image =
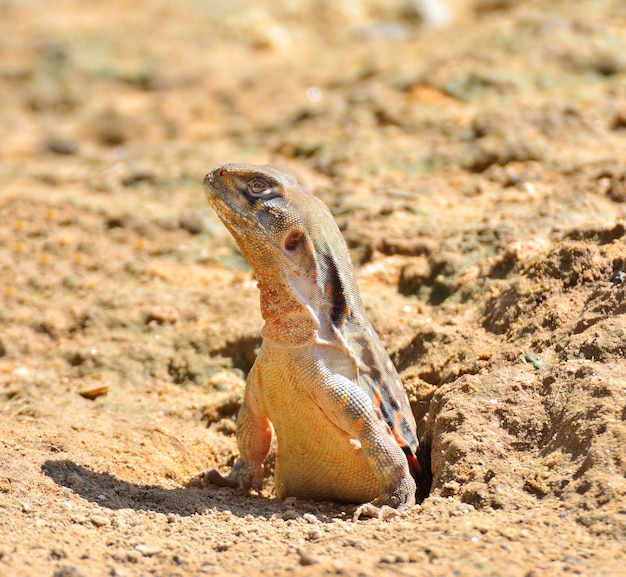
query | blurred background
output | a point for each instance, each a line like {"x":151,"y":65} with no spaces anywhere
{"x":123,"y":94}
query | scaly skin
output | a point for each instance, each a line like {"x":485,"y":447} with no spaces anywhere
{"x":322,"y":378}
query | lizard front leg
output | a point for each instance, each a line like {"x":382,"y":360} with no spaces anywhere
{"x":254,"y":436}
{"x":350,"y":408}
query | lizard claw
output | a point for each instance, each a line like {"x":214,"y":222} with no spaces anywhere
{"x":243,"y":475}
{"x":212,"y":477}
{"x":373,"y":511}
{"x":388,"y":506}
{"x":247,"y":476}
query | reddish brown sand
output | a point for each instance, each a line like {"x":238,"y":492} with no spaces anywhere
{"x":478,"y":174}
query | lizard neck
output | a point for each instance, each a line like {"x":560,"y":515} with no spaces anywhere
{"x":289,"y":321}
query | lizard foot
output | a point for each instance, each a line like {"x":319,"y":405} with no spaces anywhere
{"x":373,"y":511}
{"x":243,"y":475}
{"x":391,"y":504}
{"x":212,"y":477}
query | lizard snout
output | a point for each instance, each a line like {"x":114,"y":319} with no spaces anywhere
{"x":208,"y":178}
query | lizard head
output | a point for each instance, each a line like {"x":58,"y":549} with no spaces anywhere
{"x":288,"y":235}
{"x":265,"y":210}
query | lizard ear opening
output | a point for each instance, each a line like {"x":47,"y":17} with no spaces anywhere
{"x":293,"y":240}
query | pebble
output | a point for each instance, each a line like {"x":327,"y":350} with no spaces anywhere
{"x":62,"y":146}
{"x":314,"y":534}
{"x":147,"y":550}
{"x":58,"y":553}
{"x":132,"y":557}
{"x":393,"y":557}
{"x":100,"y":520}
{"x":290,"y":515}
{"x":163,"y":314}
{"x":92,"y":393}
{"x":192,"y":223}
{"x":68,"y":571}
{"x":306,"y":557}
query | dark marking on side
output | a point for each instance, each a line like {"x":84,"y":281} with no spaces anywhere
{"x":384,"y":409}
{"x":374,"y":373}
{"x":393,"y":403}
{"x":335,"y":289}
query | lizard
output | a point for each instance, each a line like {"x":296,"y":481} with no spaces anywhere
{"x":322,"y":380}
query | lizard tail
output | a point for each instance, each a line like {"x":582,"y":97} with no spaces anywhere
{"x":419,"y":466}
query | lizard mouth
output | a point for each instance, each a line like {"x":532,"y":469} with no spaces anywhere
{"x":234,"y":207}
{"x":225,"y":203}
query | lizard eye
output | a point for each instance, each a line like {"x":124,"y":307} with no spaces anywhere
{"x":258,"y":186}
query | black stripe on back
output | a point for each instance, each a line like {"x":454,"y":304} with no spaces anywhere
{"x":337,"y":293}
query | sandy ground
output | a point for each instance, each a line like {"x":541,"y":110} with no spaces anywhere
{"x":478,"y":172}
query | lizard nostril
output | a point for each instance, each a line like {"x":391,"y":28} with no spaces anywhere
{"x":293,"y":240}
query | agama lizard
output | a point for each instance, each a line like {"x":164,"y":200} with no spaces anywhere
{"x":322,"y":379}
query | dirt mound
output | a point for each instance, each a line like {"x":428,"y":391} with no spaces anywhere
{"x":546,"y":415}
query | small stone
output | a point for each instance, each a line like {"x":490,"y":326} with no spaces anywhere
{"x":68,"y":571}
{"x":314,"y":534}
{"x":58,"y":553}
{"x":310,"y":518}
{"x":74,"y":480}
{"x":137,"y":176}
{"x":450,"y":488}
{"x":418,"y":557}
{"x":132,"y":557}
{"x":62,"y":146}
{"x":162,"y":314}
{"x":433,"y":554}
{"x":306,"y":557}
{"x":356,"y":543}
{"x":92,"y":393}
{"x":192,"y":223}
{"x":393,"y":557}
{"x":617,"y":191}
{"x":99,"y":520}
{"x":289,"y":515}
{"x":147,"y":550}
{"x":26,"y":508}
